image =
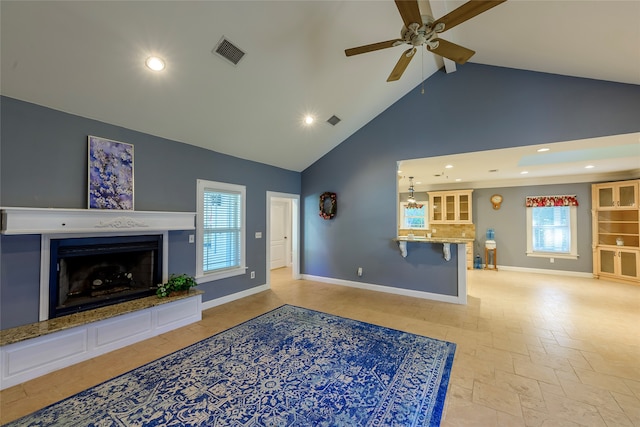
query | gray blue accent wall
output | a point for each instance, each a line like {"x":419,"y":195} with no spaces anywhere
{"x":43,"y":163}
{"x":509,"y":224}
{"x":476,"y":108}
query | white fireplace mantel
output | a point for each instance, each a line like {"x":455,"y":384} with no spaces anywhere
{"x":57,"y":221}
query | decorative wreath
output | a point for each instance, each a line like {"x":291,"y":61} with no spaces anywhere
{"x":331,"y":212}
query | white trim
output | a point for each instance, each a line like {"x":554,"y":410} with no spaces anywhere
{"x":95,"y":221}
{"x":386,"y":289}
{"x":238,"y":295}
{"x":45,"y":259}
{"x":201,"y":186}
{"x":546,"y":271}
{"x":295,"y":233}
{"x":573,"y":218}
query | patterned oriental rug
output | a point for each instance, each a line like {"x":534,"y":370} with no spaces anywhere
{"x":288,"y":367}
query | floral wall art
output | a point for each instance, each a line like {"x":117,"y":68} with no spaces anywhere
{"x":110,"y":174}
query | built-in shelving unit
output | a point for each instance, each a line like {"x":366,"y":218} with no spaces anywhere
{"x":616,"y":230}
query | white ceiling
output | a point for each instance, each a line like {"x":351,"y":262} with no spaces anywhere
{"x":86,"y":58}
{"x":586,"y":160}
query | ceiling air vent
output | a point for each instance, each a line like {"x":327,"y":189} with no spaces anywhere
{"x":333,"y":120}
{"x":228,"y":51}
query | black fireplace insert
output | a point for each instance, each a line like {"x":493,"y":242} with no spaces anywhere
{"x":88,"y":273}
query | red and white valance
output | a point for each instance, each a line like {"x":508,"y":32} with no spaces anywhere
{"x":550,"y":201}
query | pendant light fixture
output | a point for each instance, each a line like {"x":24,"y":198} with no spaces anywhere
{"x":411,"y":201}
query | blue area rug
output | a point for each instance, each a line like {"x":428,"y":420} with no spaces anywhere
{"x":288,"y":367}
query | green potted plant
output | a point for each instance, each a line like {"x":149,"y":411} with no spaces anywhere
{"x":177,"y":284}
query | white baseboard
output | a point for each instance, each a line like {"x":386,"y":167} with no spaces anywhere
{"x":228,"y":298}
{"x":546,"y":271}
{"x":387,"y":289}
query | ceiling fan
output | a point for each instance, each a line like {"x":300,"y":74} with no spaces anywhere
{"x":421,"y":30}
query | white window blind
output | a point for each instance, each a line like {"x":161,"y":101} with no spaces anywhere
{"x":551,"y":230}
{"x":414,"y":218}
{"x":221,"y":217}
{"x":221,"y":230}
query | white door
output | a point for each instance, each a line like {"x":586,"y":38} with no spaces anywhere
{"x":279,"y":233}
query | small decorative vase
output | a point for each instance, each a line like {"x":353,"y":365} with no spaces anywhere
{"x":620,"y":241}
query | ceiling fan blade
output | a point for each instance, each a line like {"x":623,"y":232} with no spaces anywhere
{"x":409,"y":11}
{"x":452,"y":51}
{"x":404,"y":60}
{"x":465,"y":12}
{"x":371,"y":47}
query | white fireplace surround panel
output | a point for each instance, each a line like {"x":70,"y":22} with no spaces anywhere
{"x":52,"y":223}
{"x":93,"y":221}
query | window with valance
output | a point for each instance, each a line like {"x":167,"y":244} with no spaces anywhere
{"x":549,"y":201}
{"x":551,"y":226}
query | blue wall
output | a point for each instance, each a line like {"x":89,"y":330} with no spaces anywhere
{"x":44,"y":164}
{"x":44,"y":156}
{"x":476,"y":108}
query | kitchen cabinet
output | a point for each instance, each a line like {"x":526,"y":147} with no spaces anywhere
{"x":450,"y":207}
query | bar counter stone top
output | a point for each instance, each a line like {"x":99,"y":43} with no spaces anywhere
{"x":45,"y":327}
{"x":457,"y":240}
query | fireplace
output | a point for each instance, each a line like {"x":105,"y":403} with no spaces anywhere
{"x":91,"y":272}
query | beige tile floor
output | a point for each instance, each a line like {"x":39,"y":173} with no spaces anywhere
{"x":533,"y":349}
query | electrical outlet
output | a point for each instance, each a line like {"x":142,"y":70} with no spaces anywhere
{"x":359,"y":271}
{"x":552,"y":260}
{"x":191,"y":238}
{"x":253,"y":274}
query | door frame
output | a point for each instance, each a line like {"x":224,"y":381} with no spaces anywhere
{"x":295,"y":233}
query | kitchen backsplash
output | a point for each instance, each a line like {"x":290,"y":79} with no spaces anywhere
{"x":443,"y":230}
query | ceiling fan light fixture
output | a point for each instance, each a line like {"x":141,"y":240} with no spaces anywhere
{"x":155,"y":63}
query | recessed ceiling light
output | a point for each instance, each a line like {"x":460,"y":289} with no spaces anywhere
{"x":448,"y":166}
{"x":308,"y":120}
{"x":589,"y":167}
{"x":155,"y":63}
{"x":524,"y":172}
{"x":458,"y":179}
{"x":542,"y":150}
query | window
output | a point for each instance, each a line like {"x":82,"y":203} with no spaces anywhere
{"x":551,"y":231}
{"x":220,"y":230}
{"x":416,"y":218}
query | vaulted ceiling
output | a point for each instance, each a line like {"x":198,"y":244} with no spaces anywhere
{"x":87,"y":58}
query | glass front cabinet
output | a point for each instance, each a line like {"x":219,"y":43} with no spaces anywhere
{"x":619,"y":195}
{"x":450,"y":207}
{"x":616,"y":230}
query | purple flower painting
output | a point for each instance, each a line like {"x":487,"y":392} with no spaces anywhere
{"x":110,"y":174}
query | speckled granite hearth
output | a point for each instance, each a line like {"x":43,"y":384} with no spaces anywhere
{"x":33,"y":330}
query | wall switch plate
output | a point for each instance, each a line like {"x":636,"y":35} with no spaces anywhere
{"x":552,"y":260}
{"x":359,"y":271}
{"x":191,"y":238}
{"x":253,"y":274}
{"x":258,"y":235}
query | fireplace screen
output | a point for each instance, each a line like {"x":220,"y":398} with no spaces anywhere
{"x":88,"y":273}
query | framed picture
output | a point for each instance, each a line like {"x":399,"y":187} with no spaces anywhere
{"x":110,"y":174}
